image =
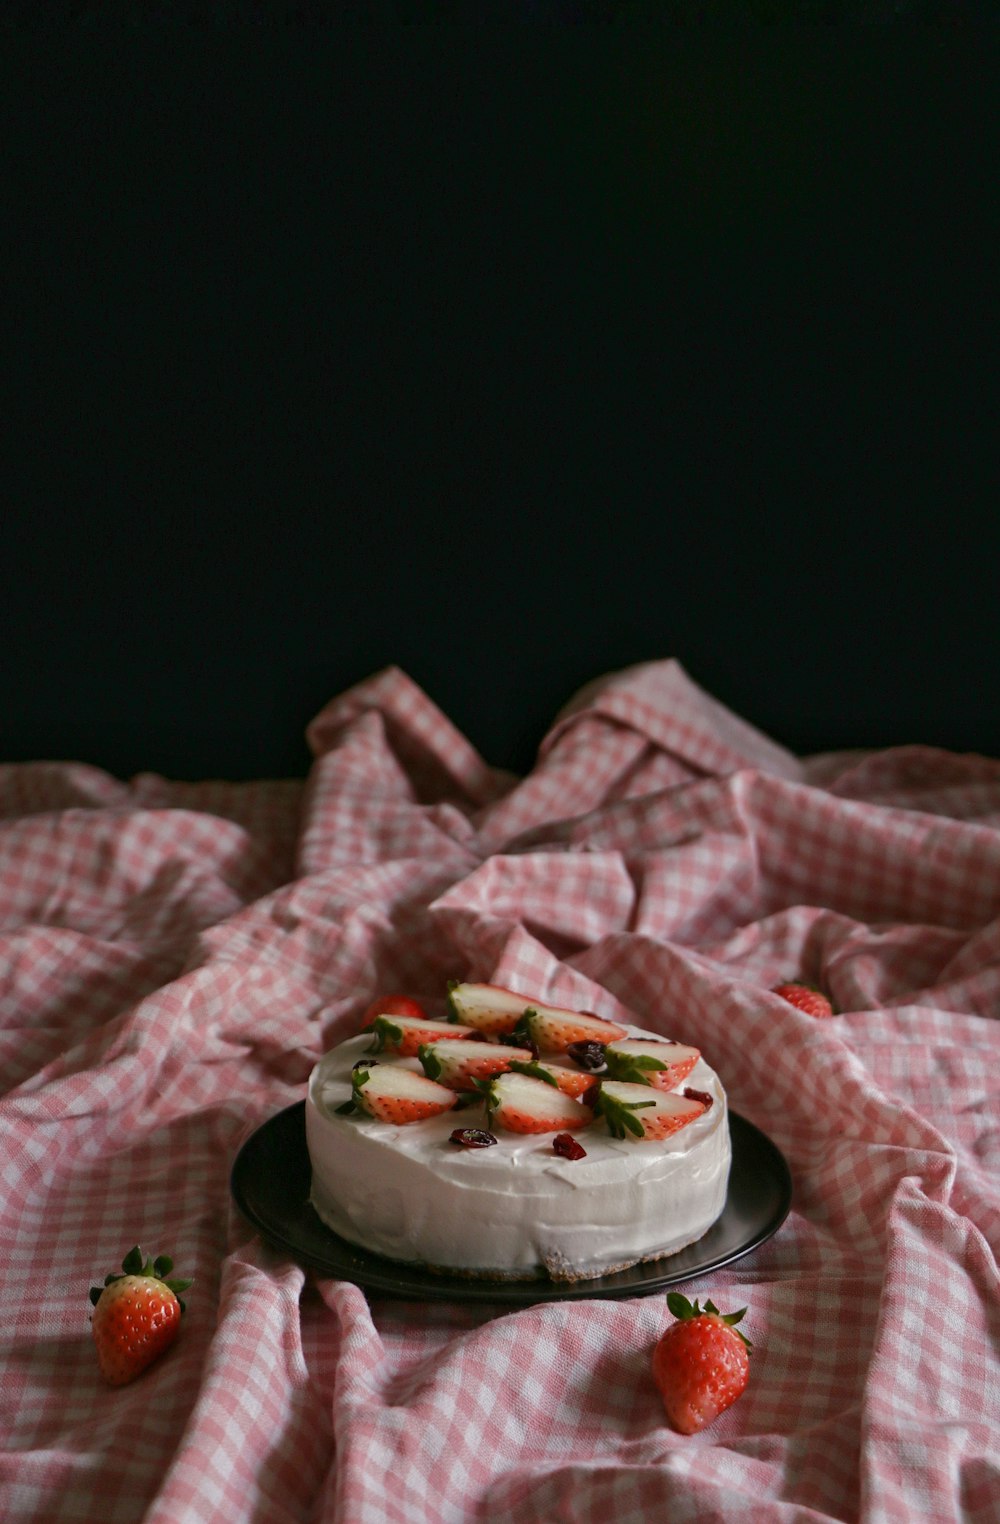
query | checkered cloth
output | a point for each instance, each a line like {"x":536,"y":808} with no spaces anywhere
{"x":174,"y":958}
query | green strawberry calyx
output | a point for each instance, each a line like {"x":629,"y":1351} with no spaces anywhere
{"x":534,"y":1070}
{"x":359,"y":1079}
{"x":430,"y":1060}
{"x":633,"y":1068}
{"x":522,"y":1028}
{"x":684,"y":1310}
{"x":157,"y":1269}
{"x":619,"y":1114}
{"x":384,"y":1028}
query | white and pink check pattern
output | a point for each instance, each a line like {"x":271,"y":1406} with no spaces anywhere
{"x":174,"y":957}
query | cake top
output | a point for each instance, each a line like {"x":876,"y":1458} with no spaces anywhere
{"x":508,"y":1069}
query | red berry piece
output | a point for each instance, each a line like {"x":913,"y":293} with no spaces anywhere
{"x":698,"y":1095}
{"x":588,"y":1055}
{"x":472,"y":1137}
{"x":565,"y":1144}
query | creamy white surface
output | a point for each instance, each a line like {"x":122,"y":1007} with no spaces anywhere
{"x":408,"y":1193}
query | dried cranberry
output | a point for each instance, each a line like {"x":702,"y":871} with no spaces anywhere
{"x":515,"y":1040}
{"x":565,"y":1144}
{"x":699,"y":1095}
{"x":472,"y":1137}
{"x":587,"y":1055}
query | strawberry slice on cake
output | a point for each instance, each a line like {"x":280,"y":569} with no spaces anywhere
{"x":639,"y":1061}
{"x":553,"y":1030}
{"x":574,"y":1082}
{"x":639,"y":1112}
{"x":522,"y":1104}
{"x":404,"y":1035}
{"x":390,"y":1093}
{"x":490,"y":1008}
{"x":464,"y":1063}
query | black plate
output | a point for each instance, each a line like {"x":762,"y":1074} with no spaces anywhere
{"x":271,"y":1179}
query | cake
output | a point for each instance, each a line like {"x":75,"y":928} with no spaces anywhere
{"x":516,"y":1140}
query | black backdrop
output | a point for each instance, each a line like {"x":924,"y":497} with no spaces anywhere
{"x":508,"y":367}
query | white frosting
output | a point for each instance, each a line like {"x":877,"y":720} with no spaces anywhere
{"x":407,"y":1193}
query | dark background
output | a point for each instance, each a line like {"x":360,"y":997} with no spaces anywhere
{"x":508,"y":364}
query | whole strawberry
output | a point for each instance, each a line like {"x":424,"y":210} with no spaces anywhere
{"x":137,"y":1315}
{"x":700,"y":1364}
{"x":805,"y":997}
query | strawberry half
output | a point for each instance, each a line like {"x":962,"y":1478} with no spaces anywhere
{"x":522,"y":1104}
{"x":660,"y":1064}
{"x":553,"y":1030}
{"x":489,"y":1008}
{"x":463,"y":1064}
{"x":393,"y":1094}
{"x":701,"y":1363}
{"x":574,"y":1082}
{"x":805,"y":998}
{"x":404,"y":1035}
{"x":137,"y":1316}
{"x":639,"y":1112}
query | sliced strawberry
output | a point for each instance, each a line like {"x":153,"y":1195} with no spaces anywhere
{"x":643,"y":1062}
{"x":405,"y":1034}
{"x":637,"y":1111}
{"x":489,"y":1008}
{"x":391,"y":1093}
{"x":522,"y":1104}
{"x":572,"y":1082}
{"x":553,"y":1030}
{"x":462,"y":1063}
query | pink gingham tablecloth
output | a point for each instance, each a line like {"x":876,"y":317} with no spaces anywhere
{"x":174,"y":957}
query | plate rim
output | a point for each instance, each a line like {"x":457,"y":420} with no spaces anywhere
{"x":392,"y":1278}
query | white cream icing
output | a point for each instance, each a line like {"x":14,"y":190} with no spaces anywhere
{"x":516,"y":1208}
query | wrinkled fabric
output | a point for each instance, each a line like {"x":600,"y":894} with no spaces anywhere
{"x":175,"y":957}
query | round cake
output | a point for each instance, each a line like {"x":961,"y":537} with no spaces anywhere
{"x":530,"y":1142}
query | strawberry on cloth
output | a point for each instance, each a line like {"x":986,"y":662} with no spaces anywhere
{"x":137,"y":1315}
{"x":392,"y":1005}
{"x":806,"y":998}
{"x":700,"y":1364}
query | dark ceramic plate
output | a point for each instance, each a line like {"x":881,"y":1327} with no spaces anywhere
{"x":270,"y":1184}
